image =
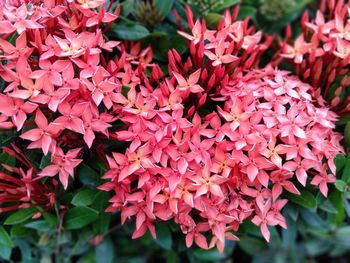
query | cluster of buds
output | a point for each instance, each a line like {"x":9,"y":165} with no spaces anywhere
{"x":273,"y":10}
{"x":321,"y":53}
{"x":218,"y":142}
{"x":21,"y":187}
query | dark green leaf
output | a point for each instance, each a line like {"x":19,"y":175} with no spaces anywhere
{"x":5,"y":239}
{"x":88,"y":176}
{"x":45,"y":161}
{"x":213,"y":20}
{"x":125,"y":90}
{"x":19,"y":231}
{"x":79,"y":217}
{"x":5,"y":158}
{"x":336,"y":198}
{"x":343,"y":120}
{"x":164,"y":238}
{"x":164,"y":7}
{"x":208,"y":255}
{"x":129,"y":32}
{"x":252,"y":246}
{"x":305,"y":199}
{"x":101,"y":225}
{"x":347,"y":134}
{"x":20,"y":216}
{"x":172,"y":257}
{"x":346,"y":172}
{"x":51,"y":219}
{"x":227,"y":4}
{"x":100,"y":201}
{"x":340,"y":161}
{"x":84,"y":197}
{"x":246,"y":11}
{"x":126,"y":7}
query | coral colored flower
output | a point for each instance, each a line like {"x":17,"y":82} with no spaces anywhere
{"x":190,"y":83}
{"x":63,"y":165}
{"x":42,"y":137}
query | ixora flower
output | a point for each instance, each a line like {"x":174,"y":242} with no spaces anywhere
{"x":209,"y":172}
{"x":216,"y":143}
{"x":62,"y":81}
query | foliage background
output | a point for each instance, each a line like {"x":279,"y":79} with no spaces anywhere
{"x":318,"y":228}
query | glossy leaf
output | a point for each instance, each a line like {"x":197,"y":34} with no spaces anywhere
{"x":164,"y":238}
{"x":79,"y":217}
{"x":164,"y":7}
{"x":20,"y":216}
{"x":129,"y":32}
{"x":5,"y":239}
{"x":305,"y":199}
{"x":84,"y":197}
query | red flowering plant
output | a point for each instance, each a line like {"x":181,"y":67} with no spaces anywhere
{"x":215,"y":143}
{"x":209,"y":172}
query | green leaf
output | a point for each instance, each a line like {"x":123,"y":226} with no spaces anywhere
{"x":5,"y":158}
{"x":101,"y":225}
{"x":164,"y":7}
{"x":84,"y":197}
{"x":213,"y":19}
{"x":340,"y":185}
{"x":45,"y":161}
{"x":227,"y":4}
{"x":104,"y":252}
{"x":20,"y":216}
{"x":343,"y":233}
{"x":125,"y":91}
{"x":343,"y":120}
{"x":39,"y":225}
{"x":347,"y":134}
{"x":101,"y":201}
{"x":88,"y":176}
{"x":129,"y":32}
{"x":328,"y":207}
{"x":251,"y":245}
{"x":208,"y":255}
{"x":340,"y":161}
{"x":5,"y":239}
{"x":5,"y":252}
{"x":79,"y":217}
{"x":171,"y":256}
{"x":127,"y":7}
{"x":336,"y":198}
{"x":316,"y":247}
{"x":346,"y":172}
{"x":305,"y":199}
{"x":164,"y":238}
{"x":246,"y":11}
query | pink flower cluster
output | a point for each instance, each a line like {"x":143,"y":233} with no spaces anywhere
{"x":218,"y":142}
{"x":62,"y":71}
{"x":213,"y":145}
{"x":321,"y":53}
